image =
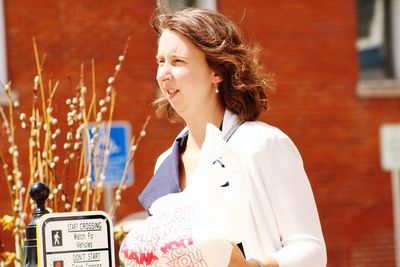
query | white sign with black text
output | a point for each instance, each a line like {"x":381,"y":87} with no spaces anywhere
{"x":75,"y":239}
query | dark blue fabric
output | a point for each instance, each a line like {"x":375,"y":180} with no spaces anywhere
{"x":166,"y":179}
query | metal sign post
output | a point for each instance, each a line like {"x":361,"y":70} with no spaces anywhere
{"x":396,"y":212}
{"x":390,"y":161}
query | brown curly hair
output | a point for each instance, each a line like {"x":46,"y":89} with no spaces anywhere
{"x":243,"y":88}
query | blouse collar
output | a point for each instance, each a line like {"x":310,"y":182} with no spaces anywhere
{"x":166,"y":178}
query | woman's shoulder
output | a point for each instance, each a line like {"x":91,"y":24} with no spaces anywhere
{"x":260,"y":131}
{"x":260,"y":137}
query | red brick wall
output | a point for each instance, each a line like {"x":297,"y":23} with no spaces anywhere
{"x":309,"y":45}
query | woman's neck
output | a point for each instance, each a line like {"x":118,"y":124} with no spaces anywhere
{"x":197,"y":126}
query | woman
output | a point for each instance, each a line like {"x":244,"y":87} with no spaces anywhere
{"x":207,"y":74}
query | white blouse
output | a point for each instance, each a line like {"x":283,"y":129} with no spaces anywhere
{"x":284,"y":220}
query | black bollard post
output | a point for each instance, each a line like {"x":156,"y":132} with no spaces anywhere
{"x":39,"y":193}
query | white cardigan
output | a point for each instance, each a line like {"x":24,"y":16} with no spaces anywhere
{"x":284,"y":219}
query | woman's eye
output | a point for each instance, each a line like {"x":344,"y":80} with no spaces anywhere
{"x":160,"y":61}
{"x":178,"y":61}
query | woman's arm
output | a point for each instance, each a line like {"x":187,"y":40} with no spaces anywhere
{"x":281,"y":199}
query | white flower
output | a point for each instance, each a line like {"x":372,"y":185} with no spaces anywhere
{"x":69,"y":136}
{"x":76,"y":146}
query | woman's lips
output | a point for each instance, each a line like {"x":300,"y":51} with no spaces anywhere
{"x":171,"y":93}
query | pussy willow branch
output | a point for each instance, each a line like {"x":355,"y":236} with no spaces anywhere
{"x":6,"y":174}
{"x":134,"y":146}
{"x":39,"y":73}
{"x":97,"y":197}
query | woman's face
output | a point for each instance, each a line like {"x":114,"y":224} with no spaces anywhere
{"x":184,"y":77}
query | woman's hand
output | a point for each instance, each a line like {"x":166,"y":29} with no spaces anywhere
{"x":238,"y":260}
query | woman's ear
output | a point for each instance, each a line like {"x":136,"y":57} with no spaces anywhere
{"x":217,"y":78}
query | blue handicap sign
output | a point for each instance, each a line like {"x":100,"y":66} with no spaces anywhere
{"x":118,"y":146}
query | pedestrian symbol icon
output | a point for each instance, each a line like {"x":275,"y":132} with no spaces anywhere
{"x":56,"y":238}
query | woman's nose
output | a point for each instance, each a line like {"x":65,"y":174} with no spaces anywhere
{"x":164,"y":74}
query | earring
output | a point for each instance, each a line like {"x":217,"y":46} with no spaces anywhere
{"x":216,"y":91}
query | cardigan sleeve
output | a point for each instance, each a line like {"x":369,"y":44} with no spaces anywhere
{"x":284,"y":180}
